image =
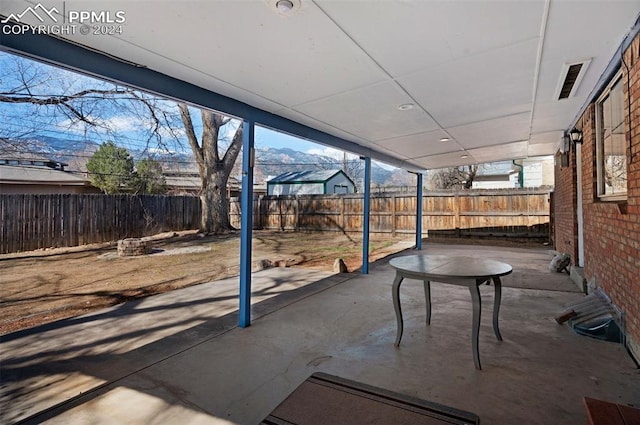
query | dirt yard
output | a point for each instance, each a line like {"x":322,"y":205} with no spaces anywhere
{"x":44,"y":286}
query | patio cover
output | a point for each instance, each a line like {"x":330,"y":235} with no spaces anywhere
{"x":419,"y":84}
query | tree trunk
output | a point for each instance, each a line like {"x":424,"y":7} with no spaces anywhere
{"x":215,"y":204}
{"x":214,"y":169}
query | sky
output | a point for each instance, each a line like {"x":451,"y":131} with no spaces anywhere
{"x":265,"y":137}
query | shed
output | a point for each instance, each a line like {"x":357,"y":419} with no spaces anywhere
{"x":323,"y":182}
{"x":496,"y":175}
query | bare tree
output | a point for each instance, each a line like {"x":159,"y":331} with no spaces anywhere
{"x":213,"y":166}
{"x":454,"y":178}
{"x":615,"y":173}
{"x":44,"y":97}
{"x":350,"y":164}
{"x":402,"y":178}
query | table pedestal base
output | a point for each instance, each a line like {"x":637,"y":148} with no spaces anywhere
{"x":474,"y":289}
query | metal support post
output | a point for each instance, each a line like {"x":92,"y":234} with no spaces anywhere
{"x":419,"y":212}
{"x":246,"y":223}
{"x":365,"y":218}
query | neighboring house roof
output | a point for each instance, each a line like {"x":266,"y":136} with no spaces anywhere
{"x":15,"y":174}
{"x":496,"y":169}
{"x":320,"y":176}
{"x":184,"y":181}
{"x":192,"y":182}
{"x":16,"y":160}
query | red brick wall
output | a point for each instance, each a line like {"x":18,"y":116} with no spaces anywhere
{"x":611,"y":229}
{"x":564,"y":208}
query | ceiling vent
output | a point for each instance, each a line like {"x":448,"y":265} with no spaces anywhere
{"x":570,"y":78}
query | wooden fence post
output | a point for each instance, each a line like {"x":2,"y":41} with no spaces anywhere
{"x":342,"y":219}
{"x":393,"y":215}
{"x":456,"y":212}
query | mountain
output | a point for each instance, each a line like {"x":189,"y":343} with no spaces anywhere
{"x":49,"y":147}
{"x":270,"y":162}
{"x":59,"y":146}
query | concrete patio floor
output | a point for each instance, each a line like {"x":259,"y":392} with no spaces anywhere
{"x":179,"y":357}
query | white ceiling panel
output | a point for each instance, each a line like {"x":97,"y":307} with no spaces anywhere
{"x":413,"y":35}
{"x":492,"y":132}
{"x":313,"y":123}
{"x":479,"y":87}
{"x":257,"y":50}
{"x":390,"y":152}
{"x":554,"y":115}
{"x":548,"y":137}
{"x":371,"y":112}
{"x":575,"y":40}
{"x":425,"y":143}
{"x":451,"y":159}
{"x":597,"y":26}
{"x":501,"y":152}
{"x":542,"y":149}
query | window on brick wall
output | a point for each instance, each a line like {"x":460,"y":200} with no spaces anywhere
{"x":610,"y":143}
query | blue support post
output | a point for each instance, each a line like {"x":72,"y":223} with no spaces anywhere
{"x":365,"y":220}
{"x":246,"y":223}
{"x":419,"y":212}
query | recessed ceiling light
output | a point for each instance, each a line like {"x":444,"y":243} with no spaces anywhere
{"x":445,"y":139}
{"x":406,"y":106}
{"x":284,"y":6}
{"x":464,"y":156}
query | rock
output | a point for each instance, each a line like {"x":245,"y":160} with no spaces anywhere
{"x":264,"y":264}
{"x":339,"y":266}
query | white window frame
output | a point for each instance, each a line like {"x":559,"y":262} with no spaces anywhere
{"x":601,"y":191}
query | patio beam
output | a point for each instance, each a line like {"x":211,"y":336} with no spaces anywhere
{"x":246,"y":221}
{"x":365,"y":212}
{"x":419,"y":211}
{"x":97,"y":64}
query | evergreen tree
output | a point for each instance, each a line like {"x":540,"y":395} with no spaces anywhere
{"x":149,"y":177}
{"x":111,"y":169}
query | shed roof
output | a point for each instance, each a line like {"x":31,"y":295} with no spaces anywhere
{"x":309,"y":176}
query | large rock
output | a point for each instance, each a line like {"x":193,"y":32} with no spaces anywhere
{"x":339,"y":266}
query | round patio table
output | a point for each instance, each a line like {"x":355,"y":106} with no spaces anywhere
{"x":465,"y":271}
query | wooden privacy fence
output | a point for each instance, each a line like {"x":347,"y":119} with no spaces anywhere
{"x":511,"y":212}
{"x":45,"y":221}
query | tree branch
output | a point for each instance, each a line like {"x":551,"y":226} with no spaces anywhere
{"x":191,"y":136}
{"x":152,"y":111}
{"x":78,"y":115}
{"x":55,"y":100}
{"x":234,"y":149}
{"x":210,"y":130}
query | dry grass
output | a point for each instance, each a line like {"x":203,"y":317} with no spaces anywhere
{"x":42,"y":287}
